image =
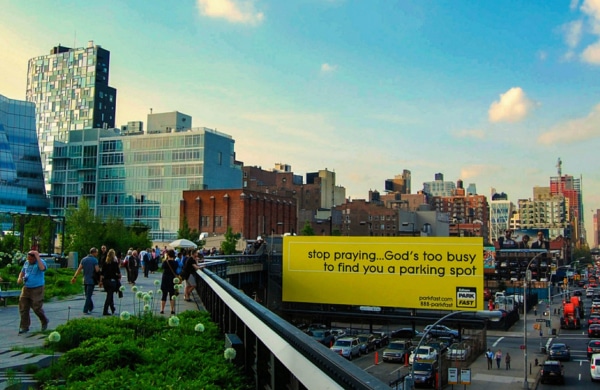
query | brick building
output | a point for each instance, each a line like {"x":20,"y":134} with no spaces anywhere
{"x":250,"y":213}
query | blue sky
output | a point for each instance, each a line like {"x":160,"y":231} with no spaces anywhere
{"x":490,"y":92}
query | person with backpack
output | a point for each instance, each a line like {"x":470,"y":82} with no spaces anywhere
{"x":147,"y":261}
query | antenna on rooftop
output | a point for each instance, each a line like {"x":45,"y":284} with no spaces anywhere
{"x":559,"y":166}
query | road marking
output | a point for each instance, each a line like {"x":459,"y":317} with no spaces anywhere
{"x":497,"y":341}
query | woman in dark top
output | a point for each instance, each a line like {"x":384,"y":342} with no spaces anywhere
{"x":111,"y":276}
{"x":167,"y":286}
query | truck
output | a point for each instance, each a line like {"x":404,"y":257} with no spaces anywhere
{"x":570,"y":317}
{"x":578,"y":303}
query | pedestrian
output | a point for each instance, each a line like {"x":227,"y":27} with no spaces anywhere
{"x":167,"y":284}
{"x":110,"y":280}
{"x":189,"y":274}
{"x":32,"y":293}
{"x":534,"y":310}
{"x":489,"y":355}
{"x":89,"y":265}
{"x":507,"y":360}
{"x":498,"y":358}
{"x":133,"y":265}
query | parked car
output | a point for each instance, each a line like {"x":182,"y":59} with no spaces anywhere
{"x":593,"y":347}
{"x":367,"y":342}
{"x":397,"y":351}
{"x":338,"y":333}
{"x":594,"y":330}
{"x":595,"y":367}
{"x":348,"y":347}
{"x":458,"y":351}
{"x":559,"y":351}
{"x":440,"y":345}
{"x":323,"y":336}
{"x":425,"y":372}
{"x":424,"y":352}
{"x":552,"y":372}
{"x":406,"y":333}
{"x":441,"y":331}
{"x":381,"y":339}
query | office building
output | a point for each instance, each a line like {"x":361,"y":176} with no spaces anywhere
{"x":439,"y":187}
{"x":140,"y":178}
{"x":168,"y":122}
{"x":21,"y":177}
{"x":70,"y":90}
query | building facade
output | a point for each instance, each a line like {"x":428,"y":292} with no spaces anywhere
{"x":439,"y":187}
{"x":140,"y":178}
{"x":70,"y":90}
{"x":168,"y":122}
{"x":250,"y":213}
{"x":21,"y":178}
{"x":501,"y":211}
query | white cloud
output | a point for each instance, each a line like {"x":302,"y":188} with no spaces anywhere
{"x":575,"y":130}
{"x":513,"y":106}
{"x":234,"y":11}
{"x":573,"y":5}
{"x":326,"y":68}
{"x":474,"y":133}
{"x":592,"y":8}
{"x":573,"y":32}
{"x":591,"y":54}
{"x":474,"y":171}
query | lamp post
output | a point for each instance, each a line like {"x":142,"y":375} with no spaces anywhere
{"x":525,"y":282}
{"x":494,"y":315}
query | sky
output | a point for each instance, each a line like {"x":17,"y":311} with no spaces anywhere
{"x":489,"y":92}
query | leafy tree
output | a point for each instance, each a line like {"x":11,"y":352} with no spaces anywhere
{"x":307,"y":230}
{"x":583,"y":254}
{"x":39,"y":229}
{"x":189,"y":234}
{"x":229,"y":244}
{"x":82,"y":228}
{"x":336,"y":232}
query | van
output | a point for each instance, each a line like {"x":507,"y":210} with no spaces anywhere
{"x":595,"y":367}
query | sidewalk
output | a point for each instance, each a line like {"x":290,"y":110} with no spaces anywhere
{"x":60,"y":311}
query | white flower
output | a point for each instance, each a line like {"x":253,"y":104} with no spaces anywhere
{"x":54,"y":337}
{"x":175,"y":280}
{"x":199,"y":327}
{"x":157,"y":283}
{"x":229,"y":354}
{"x":134,"y":289}
{"x":122,"y":288}
{"x":151,"y":293}
{"x":173,"y":321}
{"x":159,"y":292}
{"x":125,"y":316}
{"x":139,"y":294}
{"x":147,"y":297}
{"x":146,"y":307}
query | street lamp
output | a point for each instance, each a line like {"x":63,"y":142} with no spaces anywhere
{"x":493,"y":315}
{"x":525,"y":282}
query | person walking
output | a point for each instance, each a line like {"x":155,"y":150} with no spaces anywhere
{"x":89,"y":265}
{"x":111,"y":275}
{"x":167,"y":285}
{"x":507,"y":360}
{"x":133,"y":265}
{"x":489,"y":355}
{"x":32,"y":293}
{"x":188,"y":274}
{"x":498,"y":358}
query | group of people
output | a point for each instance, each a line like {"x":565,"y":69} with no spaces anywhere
{"x":104,"y":269}
{"x":490,"y":356}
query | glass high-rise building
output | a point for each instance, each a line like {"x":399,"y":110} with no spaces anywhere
{"x":70,"y":90}
{"x":141,"y":178}
{"x":21,"y":178}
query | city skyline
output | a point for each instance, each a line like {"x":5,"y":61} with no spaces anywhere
{"x":489,"y":93}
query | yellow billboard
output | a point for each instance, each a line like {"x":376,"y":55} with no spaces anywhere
{"x":440,"y":273}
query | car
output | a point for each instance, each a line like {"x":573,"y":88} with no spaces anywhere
{"x":595,"y":367}
{"x":589,"y":292}
{"x":552,"y":372}
{"x":424,"y":352}
{"x":397,"y":351}
{"x":440,"y":345}
{"x":323,"y":336}
{"x":594,"y":319}
{"x":593,"y":347}
{"x":347,"y":347}
{"x":367,"y":342}
{"x":441,"y":331}
{"x":577,"y":293}
{"x":559,"y":351}
{"x":425,"y":373}
{"x":338,"y":333}
{"x":406,"y":333}
{"x":594,"y":330}
{"x":381,"y":339}
{"x":458,"y":351}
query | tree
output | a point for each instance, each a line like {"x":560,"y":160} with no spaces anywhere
{"x":230,"y":243}
{"x":307,"y":230}
{"x":189,"y":234}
